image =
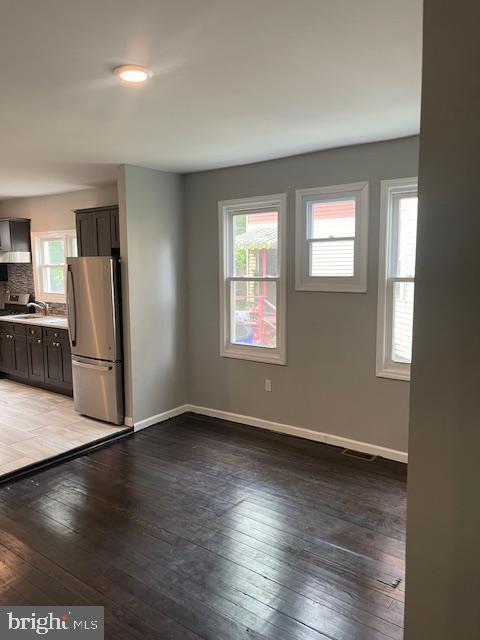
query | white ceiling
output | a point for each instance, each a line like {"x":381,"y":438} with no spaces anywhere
{"x":235,"y":81}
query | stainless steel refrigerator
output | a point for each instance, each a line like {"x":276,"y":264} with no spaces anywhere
{"x":94,"y":316}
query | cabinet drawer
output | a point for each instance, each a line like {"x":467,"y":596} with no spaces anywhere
{"x":34,"y":332}
{"x":19,"y":330}
{"x":56,"y":335}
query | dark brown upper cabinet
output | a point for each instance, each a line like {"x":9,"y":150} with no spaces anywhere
{"x":97,"y":231}
{"x":15,"y":234}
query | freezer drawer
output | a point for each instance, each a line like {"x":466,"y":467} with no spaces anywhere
{"x":98,"y":389}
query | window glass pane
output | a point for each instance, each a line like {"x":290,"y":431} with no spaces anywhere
{"x":54,"y":251}
{"x":54,"y":280}
{"x":255,"y":244}
{"x":72,"y":248}
{"x":406,"y":236}
{"x":332,"y":218}
{"x":402,"y":323}
{"x":332,"y":259}
{"x":254,"y":313}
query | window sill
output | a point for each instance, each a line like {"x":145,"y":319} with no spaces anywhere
{"x":394,"y":374}
{"x":348,"y":287}
{"x":51,"y":298}
{"x":253,"y":356}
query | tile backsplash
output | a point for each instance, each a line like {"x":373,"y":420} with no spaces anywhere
{"x":20,"y":280}
{"x":3,"y":292}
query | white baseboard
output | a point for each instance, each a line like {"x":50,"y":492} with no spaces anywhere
{"x":277,"y":427}
{"x":300,"y":432}
{"x":161,"y":417}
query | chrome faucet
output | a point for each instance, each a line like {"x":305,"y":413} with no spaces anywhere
{"x":43,"y":306}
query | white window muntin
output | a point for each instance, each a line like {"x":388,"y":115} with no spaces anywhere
{"x":227,"y":210}
{"x":305,"y":198}
{"x":392,"y":192}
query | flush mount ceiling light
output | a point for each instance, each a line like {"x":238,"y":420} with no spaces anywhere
{"x":132,"y":73}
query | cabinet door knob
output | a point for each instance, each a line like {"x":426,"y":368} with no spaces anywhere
{"x":39,"y":341}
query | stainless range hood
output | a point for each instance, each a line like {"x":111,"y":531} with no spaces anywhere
{"x":15,"y":257}
{"x":15,"y":241}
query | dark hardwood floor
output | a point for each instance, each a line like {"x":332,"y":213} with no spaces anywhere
{"x":199,"y":528}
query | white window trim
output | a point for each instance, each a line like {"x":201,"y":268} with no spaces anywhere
{"x":355,"y":284}
{"x":37,"y":236}
{"x":385,"y":366}
{"x":246,"y":352}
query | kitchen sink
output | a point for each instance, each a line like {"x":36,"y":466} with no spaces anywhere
{"x":26,"y":316}
{"x":48,"y":320}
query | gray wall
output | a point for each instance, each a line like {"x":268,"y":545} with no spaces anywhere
{"x":154,"y":296}
{"x":443,"y":533}
{"x":52,"y":213}
{"x":329,"y":383}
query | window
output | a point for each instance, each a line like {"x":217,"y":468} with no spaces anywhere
{"x":50,"y":252}
{"x":332,"y":238}
{"x":396,"y":279}
{"x":252,"y":278}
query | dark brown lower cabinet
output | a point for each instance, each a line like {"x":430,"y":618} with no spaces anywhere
{"x":67,"y":366}
{"x":36,"y":361}
{"x":20,"y":360}
{"x":6,"y":352}
{"x":36,"y":355}
{"x":58,"y":364}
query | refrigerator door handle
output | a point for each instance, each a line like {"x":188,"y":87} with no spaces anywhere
{"x":85,"y":365}
{"x":114,"y":308}
{"x":72,"y":312}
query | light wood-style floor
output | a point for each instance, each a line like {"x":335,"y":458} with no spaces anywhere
{"x":36,"y":424}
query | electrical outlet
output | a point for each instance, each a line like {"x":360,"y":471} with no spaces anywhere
{"x":268,"y":384}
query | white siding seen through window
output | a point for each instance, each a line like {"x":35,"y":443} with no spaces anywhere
{"x":331,"y":238}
